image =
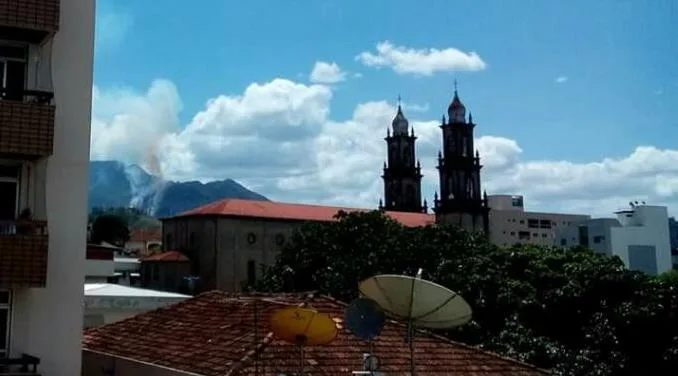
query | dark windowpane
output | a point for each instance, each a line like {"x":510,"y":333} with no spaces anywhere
{"x":4,"y":297}
{"x":4,"y":328}
{"x":15,"y":81}
{"x":8,"y":191}
{"x":251,"y":272}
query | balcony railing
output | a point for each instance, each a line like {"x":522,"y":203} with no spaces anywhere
{"x":28,"y":20}
{"x":26,"y":123}
{"x":23,"y":365}
{"x":23,"y":254}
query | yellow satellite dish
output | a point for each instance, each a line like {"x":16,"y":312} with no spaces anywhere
{"x":303,"y":326}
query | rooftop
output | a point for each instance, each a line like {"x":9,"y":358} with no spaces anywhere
{"x":290,"y":211}
{"x":113,"y":290}
{"x":145,"y":235}
{"x":217,"y":333}
{"x":166,"y":256}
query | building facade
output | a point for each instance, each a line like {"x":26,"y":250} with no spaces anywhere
{"x":462,"y":201}
{"x":639,"y":236}
{"x":402,"y":172}
{"x":228,"y":241}
{"x":46,"y":64}
{"x":511,"y":224}
{"x":673,"y":233}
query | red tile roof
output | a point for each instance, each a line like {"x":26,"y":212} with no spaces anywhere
{"x":145,"y":235}
{"x":214,"y":334}
{"x":282,"y":210}
{"x":166,"y":256}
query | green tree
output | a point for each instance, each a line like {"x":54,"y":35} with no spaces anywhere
{"x":110,"y":228}
{"x":572,"y":311}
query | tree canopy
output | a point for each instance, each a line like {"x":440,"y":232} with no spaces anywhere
{"x":110,"y":228}
{"x":572,"y":311}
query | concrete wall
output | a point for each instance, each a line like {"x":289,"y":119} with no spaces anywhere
{"x":508,"y":227}
{"x":96,"y":364}
{"x":221,"y":248}
{"x":47,"y":322}
{"x":643,"y":231}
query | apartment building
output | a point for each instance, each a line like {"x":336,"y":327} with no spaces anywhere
{"x":46,"y":57}
{"x":511,"y":224}
{"x":639,"y":236}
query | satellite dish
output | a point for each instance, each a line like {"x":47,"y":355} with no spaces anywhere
{"x":364,"y":318}
{"x":303,"y":326}
{"x":420,"y":302}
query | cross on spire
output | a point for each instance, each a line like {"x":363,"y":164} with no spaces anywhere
{"x":399,"y":100}
{"x":455,"y":85}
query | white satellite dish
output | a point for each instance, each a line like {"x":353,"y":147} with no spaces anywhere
{"x":418,"y":302}
{"x":423,"y":303}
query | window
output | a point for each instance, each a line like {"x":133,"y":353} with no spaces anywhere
{"x":597,"y":239}
{"x":251,"y":238}
{"x":563,"y":241}
{"x":168,"y":241}
{"x":517,"y":202}
{"x":251,"y":272}
{"x":523,"y":235}
{"x":12,"y":72}
{"x":191,"y":239}
{"x":533,"y":223}
{"x":156,"y":271}
{"x":513,"y":233}
{"x":543,"y":235}
{"x":9,"y":195}
{"x":545,"y":223}
{"x":5,"y":316}
{"x":584,"y":236}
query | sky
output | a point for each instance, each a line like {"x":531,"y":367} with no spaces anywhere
{"x":575,"y":101}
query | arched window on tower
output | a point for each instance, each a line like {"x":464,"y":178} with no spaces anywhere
{"x":411,"y":195}
{"x":407,"y":158}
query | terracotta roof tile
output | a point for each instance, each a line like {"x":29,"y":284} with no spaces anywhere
{"x":214,"y":334}
{"x":166,"y":256}
{"x":281,"y":210}
{"x":145,"y":235}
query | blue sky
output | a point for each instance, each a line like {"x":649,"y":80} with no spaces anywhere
{"x":570,"y":80}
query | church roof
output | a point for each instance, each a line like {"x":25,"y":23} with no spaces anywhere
{"x":217,"y":333}
{"x":291,"y":211}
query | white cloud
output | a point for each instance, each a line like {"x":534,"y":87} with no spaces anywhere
{"x":561,"y":79}
{"x":424,"y":62}
{"x":277,"y":138}
{"x":327,"y":73}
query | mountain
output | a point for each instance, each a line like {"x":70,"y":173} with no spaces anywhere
{"x":115,"y":184}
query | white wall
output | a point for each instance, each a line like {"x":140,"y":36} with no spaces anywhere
{"x":47,"y":322}
{"x":99,"y":268}
{"x":641,"y":226}
{"x":649,"y":226}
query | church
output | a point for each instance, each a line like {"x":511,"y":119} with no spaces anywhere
{"x":461,"y":201}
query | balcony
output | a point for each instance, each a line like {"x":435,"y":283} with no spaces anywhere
{"x":28,"y":20}
{"x":24,"y":365}
{"x":23,"y":253}
{"x":26,"y":124}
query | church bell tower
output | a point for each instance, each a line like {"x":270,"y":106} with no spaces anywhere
{"x":461,"y":202}
{"x":402,"y":173}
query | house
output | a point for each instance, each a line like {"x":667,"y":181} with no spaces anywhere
{"x":217,"y":333}
{"x":166,"y":271}
{"x":227,"y":241}
{"x":106,"y":303}
{"x":46,"y":56}
{"x":142,"y":241}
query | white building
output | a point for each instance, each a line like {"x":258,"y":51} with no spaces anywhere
{"x":639,"y":236}
{"x":46,"y":63}
{"x":106,"y":303}
{"x":511,"y":224}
